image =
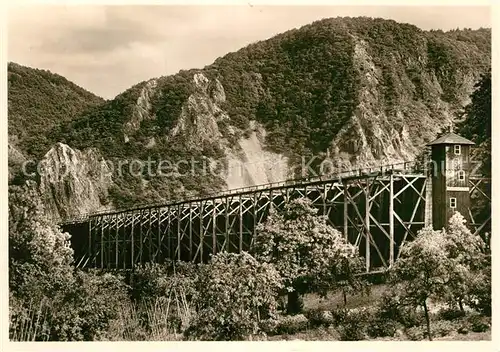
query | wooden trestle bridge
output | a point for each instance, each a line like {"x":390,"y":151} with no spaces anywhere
{"x":376,"y":209}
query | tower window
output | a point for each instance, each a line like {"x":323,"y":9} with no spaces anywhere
{"x":453,"y":203}
{"x":457,"y":149}
{"x":461,"y":175}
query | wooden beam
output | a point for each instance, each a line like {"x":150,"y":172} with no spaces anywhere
{"x":102,"y":245}
{"x":346,"y":212}
{"x":150,"y":235}
{"x":214,"y":223}
{"x":116,"y":243}
{"x":367,"y":227}
{"x":202,"y":232}
{"x":132,"y":243}
{"x":391,"y":220}
{"x":240,"y":229}
{"x":226,"y":225}
{"x":190,"y":231}
{"x":178,"y":246}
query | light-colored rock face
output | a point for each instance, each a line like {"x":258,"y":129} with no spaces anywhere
{"x":142,"y":109}
{"x":73,"y":182}
{"x":200,"y":113}
{"x":249,"y":164}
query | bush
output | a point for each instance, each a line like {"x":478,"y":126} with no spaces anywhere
{"x":416,"y":333}
{"x":478,"y":323}
{"x":355,"y":324}
{"x":234,"y":293}
{"x":339,"y":316}
{"x":319,"y":317}
{"x":480,"y":294}
{"x":292,"y":324}
{"x":443,"y":327}
{"x":391,"y":308}
{"x":450,"y":314}
{"x":82,"y":310}
{"x":382,"y":328}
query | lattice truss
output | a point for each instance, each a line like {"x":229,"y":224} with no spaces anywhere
{"x":376,"y":213}
{"x":480,"y":199}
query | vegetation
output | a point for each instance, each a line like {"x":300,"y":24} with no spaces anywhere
{"x":441,"y":265}
{"x":39,"y":100}
{"x":235,"y":296}
{"x":309,"y":255}
{"x":304,"y":86}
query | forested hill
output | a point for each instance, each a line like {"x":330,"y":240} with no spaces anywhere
{"x":38,"y":100}
{"x":360,"y":90}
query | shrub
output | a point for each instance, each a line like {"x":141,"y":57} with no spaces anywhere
{"x":443,"y":327}
{"x":309,"y":254}
{"x":146,"y":281}
{"x":82,"y":310}
{"x":392,"y":308}
{"x":478,"y":323}
{"x":381,"y":328}
{"x":339,"y":316}
{"x":416,"y":333}
{"x":234,"y":293}
{"x":480,"y":294}
{"x":355,"y":324}
{"x":292,"y":324}
{"x":450,"y":314}
{"x":319,"y":317}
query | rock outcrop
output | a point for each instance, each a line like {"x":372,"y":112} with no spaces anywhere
{"x":74,"y":182}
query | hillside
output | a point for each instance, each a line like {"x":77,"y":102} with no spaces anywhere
{"x":361,"y":91}
{"x":38,"y":100}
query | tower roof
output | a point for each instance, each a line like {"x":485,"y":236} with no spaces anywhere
{"x":451,"y":138}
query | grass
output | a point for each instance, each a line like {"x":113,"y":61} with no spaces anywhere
{"x":335,"y":299}
{"x":165,"y":319}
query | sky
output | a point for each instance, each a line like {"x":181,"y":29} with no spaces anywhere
{"x":107,"y":49}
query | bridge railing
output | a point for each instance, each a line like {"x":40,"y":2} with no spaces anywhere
{"x":403,"y":167}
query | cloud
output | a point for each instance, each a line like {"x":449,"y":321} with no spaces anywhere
{"x":107,"y":49}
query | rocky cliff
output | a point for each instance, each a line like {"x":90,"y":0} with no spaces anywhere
{"x":73,"y":182}
{"x":359,"y":91}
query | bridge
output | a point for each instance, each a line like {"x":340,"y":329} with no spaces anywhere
{"x":376,"y":209}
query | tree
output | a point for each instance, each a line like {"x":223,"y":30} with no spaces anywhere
{"x":234,"y":294}
{"x":469,"y":271}
{"x":476,"y":123}
{"x":422,"y":271}
{"x":310,"y":255}
{"x":40,"y":255}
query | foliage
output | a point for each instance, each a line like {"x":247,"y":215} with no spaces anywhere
{"x":478,"y":323}
{"x":476,"y":126}
{"x":309,"y":255}
{"x":40,"y":255}
{"x":382,"y":328}
{"x":303,"y":85}
{"x":476,"y":122}
{"x":354,"y":325}
{"x":38,"y":101}
{"x":422,"y":271}
{"x":319,"y":317}
{"x":291,"y":324}
{"x":234,"y":292}
{"x":392,"y":307}
{"x":81,"y":310}
{"x":469,"y":262}
{"x":451,"y":314}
